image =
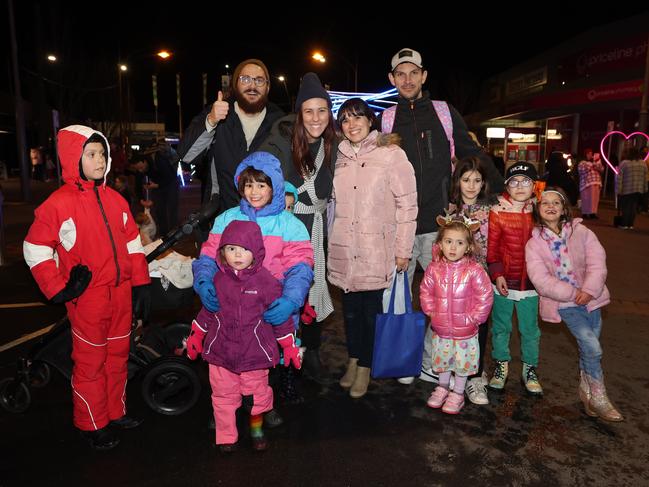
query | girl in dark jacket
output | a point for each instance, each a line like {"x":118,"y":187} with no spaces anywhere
{"x":236,"y":341}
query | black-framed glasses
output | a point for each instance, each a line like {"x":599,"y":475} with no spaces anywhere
{"x":515,"y":183}
{"x":246,"y":80}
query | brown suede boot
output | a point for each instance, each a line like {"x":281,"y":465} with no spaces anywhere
{"x":347,"y":380}
{"x":359,"y":387}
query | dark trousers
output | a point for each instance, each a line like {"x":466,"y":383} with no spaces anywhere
{"x":629,"y":207}
{"x":359,"y":312}
{"x":311,"y":335}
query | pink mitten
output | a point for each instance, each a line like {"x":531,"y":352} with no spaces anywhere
{"x":195,"y":341}
{"x":291,"y":352}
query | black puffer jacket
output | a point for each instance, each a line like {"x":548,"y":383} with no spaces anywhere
{"x":428,"y":150}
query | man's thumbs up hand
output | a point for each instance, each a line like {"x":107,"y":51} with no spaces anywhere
{"x":219,"y":110}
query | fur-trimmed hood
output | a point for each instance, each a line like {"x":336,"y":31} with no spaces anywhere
{"x":372,"y":141}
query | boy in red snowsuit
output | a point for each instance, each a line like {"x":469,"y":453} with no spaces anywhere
{"x":84,"y":250}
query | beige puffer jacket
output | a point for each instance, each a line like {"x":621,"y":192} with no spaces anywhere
{"x":376,"y":213}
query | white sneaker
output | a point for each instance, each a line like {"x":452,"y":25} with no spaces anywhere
{"x":428,"y":375}
{"x":476,"y":391}
{"x":405,"y":380}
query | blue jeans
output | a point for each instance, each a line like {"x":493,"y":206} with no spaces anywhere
{"x":586,"y":328}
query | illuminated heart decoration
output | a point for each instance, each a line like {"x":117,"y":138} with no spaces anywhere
{"x":627,"y":137}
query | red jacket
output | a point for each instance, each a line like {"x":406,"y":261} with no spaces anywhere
{"x":83,"y":223}
{"x":510,"y":227}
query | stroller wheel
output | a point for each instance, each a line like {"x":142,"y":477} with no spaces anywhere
{"x":39,"y":374}
{"x":170,"y":386}
{"x":14,"y":395}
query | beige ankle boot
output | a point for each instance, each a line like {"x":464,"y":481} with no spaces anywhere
{"x":584,"y":393}
{"x":347,"y":380}
{"x":600,"y":403}
{"x":359,"y":387}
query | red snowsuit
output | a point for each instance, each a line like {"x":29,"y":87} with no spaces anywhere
{"x":89,"y":224}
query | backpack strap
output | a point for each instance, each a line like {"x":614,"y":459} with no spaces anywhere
{"x":444,"y":115}
{"x":387,"y":119}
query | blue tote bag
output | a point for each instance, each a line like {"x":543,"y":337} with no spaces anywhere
{"x":399,"y":339}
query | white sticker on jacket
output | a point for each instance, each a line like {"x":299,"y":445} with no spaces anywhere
{"x":68,"y":234}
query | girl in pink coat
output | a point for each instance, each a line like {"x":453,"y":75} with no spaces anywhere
{"x":567,"y":265}
{"x":456,"y":294}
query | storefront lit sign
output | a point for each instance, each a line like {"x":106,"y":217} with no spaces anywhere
{"x":495,"y":132}
{"x":626,"y":137}
{"x":518,"y":137}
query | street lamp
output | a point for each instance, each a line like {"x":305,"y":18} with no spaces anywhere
{"x":282,"y":79}
{"x":163,"y":54}
{"x":123,"y":69}
{"x":51,"y":58}
{"x":319,"y":57}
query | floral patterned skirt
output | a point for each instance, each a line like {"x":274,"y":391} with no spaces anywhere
{"x":459,"y":356}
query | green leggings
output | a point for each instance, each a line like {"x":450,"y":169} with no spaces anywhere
{"x":528,"y":326}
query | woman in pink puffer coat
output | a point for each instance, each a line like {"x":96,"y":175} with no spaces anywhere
{"x":373,"y":230}
{"x":457,"y":295}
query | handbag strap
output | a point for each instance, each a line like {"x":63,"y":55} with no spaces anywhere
{"x":406,"y":294}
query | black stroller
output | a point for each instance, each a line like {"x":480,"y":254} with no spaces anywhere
{"x":170,"y":384}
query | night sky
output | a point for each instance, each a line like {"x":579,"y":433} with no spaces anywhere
{"x":90,"y":43}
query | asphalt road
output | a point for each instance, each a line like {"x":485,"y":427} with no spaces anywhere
{"x":387,"y":438}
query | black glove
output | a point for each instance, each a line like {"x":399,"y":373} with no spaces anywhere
{"x":79,"y":279}
{"x":142,"y":302}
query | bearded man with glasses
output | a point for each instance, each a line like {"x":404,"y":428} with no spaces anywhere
{"x":230,"y":129}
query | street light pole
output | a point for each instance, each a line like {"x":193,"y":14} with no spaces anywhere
{"x":123,"y":67}
{"x":282,"y":78}
{"x":21,"y":138}
{"x":642,"y":125}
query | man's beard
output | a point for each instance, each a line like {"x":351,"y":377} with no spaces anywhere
{"x":248,"y":107}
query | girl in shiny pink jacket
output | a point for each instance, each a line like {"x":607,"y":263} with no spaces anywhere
{"x":457,"y":295}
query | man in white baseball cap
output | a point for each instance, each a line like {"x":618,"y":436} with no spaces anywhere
{"x":433,"y":134}
{"x":407,"y":56}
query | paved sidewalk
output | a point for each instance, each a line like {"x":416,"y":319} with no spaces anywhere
{"x":389,"y":437}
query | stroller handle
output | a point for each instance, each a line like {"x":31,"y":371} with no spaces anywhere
{"x":206,"y":213}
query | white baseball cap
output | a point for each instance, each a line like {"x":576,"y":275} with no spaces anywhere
{"x":406,"y":55}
